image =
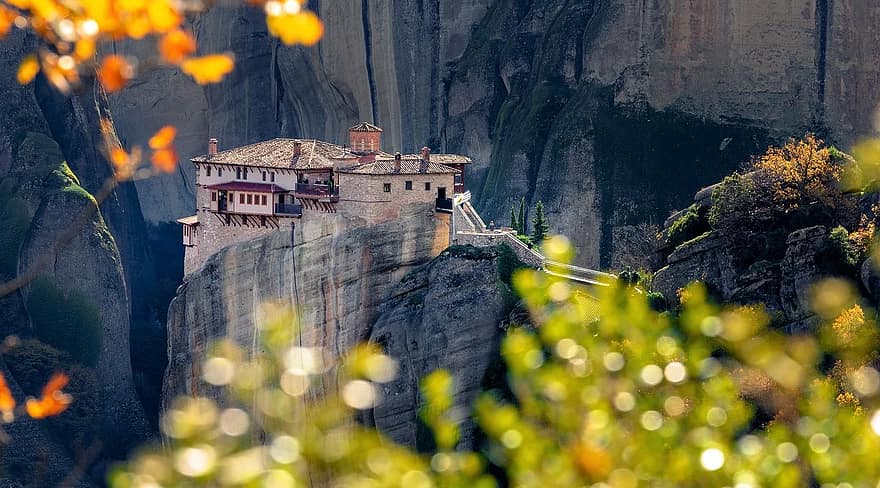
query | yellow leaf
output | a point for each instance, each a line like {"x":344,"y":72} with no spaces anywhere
{"x":176,"y":46}
{"x":85,"y":49}
{"x":28,"y":69}
{"x":208,"y":69}
{"x":300,"y":28}
{"x":7,"y":20}
{"x":162,"y":16}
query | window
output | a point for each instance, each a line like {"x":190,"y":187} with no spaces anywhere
{"x":213,"y":196}
{"x":241,"y":198}
{"x":386,"y":188}
{"x":408,"y":185}
{"x":427,"y":186}
{"x":237,"y":173}
{"x":263,"y":199}
{"x":250,"y":199}
{"x":219,"y":171}
{"x":208,"y":171}
{"x":244,"y":173}
{"x":264,"y":176}
{"x":272,"y":177}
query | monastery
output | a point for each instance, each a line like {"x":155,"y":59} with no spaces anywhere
{"x":250,"y":191}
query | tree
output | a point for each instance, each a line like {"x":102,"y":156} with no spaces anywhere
{"x":521,"y":220}
{"x":801,"y":172}
{"x":514,"y":224}
{"x":540,"y":228}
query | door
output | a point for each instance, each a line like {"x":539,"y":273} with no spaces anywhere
{"x":222,"y":201}
{"x":441,"y":193}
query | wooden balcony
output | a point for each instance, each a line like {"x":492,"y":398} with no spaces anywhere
{"x":288,"y":209}
{"x":323,"y":193}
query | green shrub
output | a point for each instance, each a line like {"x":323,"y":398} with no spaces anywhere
{"x":691,"y":224}
{"x":657,"y":301}
{"x":733,"y":202}
{"x":70,"y":323}
{"x":526,"y":240}
{"x":844,"y":250}
{"x":508,"y":262}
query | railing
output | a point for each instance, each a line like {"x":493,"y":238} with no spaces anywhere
{"x":288,"y":209}
{"x":444,"y":204}
{"x":316,"y":190}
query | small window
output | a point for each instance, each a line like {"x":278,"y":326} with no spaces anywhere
{"x":386,"y":188}
{"x":244,"y":174}
{"x":237,"y":173}
{"x":250,"y":199}
{"x":241,"y":198}
{"x":427,"y":186}
{"x":263,"y":199}
{"x":264,"y":176}
{"x":208,"y":171}
{"x":408,"y":185}
{"x":213,"y":196}
{"x":219,"y":171}
{"x":272,"y":177}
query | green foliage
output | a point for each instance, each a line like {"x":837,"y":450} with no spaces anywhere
{"x":657,"y":301}
{"x":625,"y":397}
{"x":629,"y":278}
{"x":540,"y":227}
{"x":514,"y":223}
{"x":733,"y":202}
{"x":691,"y":224}
{"x":521,"y":218}
{"x":508,"y":262}
{"x":526,"y":240}
{"x":70,"y":322}
{"x":844,"y":250}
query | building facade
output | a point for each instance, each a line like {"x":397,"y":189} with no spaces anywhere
{"x":249,"y":191}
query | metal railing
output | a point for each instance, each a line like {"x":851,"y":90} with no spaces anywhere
{"x":443,"y":203}
{"x":317,"y":190}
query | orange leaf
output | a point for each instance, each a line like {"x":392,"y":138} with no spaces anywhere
{"x":300,"y":28}
{"x":7,"y":402}
{"x":28,"y":69}
{"x":7,"y":20}
{"x":114,"y":73}
{"x":53,"y":402}
{"x":163,"y":137}
{"x":165,"y":160}
{"x":592,"y":460}
{"x":163,"y":17}
{"x":208,"y":69}
{"x":85,"y":49}
{"x":176,"y":46}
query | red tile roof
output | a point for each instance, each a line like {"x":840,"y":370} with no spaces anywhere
{"x":365,"y":127}
{"x":248,"y":186}
{"x":408,"y":166}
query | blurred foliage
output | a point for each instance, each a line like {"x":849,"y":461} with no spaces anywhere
{"x":690,"y":225}
{"x":708,"y":396}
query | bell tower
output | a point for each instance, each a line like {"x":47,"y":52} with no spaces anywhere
{"x":365,"y":138}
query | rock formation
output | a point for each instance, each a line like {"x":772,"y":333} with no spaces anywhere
{"x":350,"y":283}
{"x":607,"y":111}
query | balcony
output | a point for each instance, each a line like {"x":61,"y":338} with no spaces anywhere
{"x":317,"y":192}
{"x":288,"y":209}
{"x":444,"y":204}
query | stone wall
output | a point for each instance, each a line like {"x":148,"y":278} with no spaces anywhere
{"x":491,"y":239}
{"x":364,"y":196}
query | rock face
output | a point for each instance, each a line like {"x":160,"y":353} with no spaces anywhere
{"x":350,"y":283}
{"x":607,"y":111}
{"x":445,"y":315}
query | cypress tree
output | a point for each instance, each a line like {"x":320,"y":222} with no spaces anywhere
{"x":521,"y":220}
{"x":513,"y":222}
{"x":540,"y":228}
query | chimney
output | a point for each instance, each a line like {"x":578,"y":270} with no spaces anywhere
{"x":426,"y":154}
{"x":212,"y":146}
{"x":397,"y":163}
{"x":297,"y":148}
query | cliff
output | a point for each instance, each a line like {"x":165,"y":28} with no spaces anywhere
{"x":350,"y":283}
{"x":607,"y":111}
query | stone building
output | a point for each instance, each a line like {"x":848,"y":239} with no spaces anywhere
{"x":249,"y":191}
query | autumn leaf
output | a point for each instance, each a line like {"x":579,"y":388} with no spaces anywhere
{"x":28,"y":69}
{"x":163,"y":137}
{"x":85,"y":49}
{"x":303,"y":27}
{"x":165,"y":160}
{"x":163,"y":17}
{"x":114,"y":73}
{"x":7,"y":20}
{"x":7,"y":402}
{"x":208,"y":69}
{"x":592,"y":460}
{"x":53,"y":402}
{"x":176,"y":46}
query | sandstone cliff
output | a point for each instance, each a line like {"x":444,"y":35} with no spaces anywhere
{"x":350,"y":283}
{"x":608,"y":111}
